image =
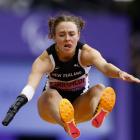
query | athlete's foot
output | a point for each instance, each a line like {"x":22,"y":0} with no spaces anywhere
{"x":104,"y":107}
{"x":67,"y":115}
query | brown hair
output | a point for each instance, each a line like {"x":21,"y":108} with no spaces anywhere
{"x":53,"y":22}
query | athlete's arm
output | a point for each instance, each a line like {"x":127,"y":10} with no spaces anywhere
{"x":40,"y":66}
{"x":91,"y":56}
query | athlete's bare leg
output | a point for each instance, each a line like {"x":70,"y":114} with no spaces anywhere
{"x":48,"y":106}
{"x":54,"y":109}
{"x":85,"y":105}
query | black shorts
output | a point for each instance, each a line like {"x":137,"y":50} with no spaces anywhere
{"x":70,"y":95}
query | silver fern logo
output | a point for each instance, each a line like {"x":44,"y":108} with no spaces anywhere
{"x":76,"y":65}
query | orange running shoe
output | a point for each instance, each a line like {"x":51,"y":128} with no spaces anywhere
{"x":104,"y":107}
{"x":67,"y":115}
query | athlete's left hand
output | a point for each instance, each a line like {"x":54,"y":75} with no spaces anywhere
{"x":128,"y":77}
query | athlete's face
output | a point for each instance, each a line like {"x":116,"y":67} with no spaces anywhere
{"x":66,"y":37}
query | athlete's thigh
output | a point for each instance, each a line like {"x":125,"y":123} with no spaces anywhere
{"x":82,"y":107}
{"x":86,"y":104}
{"x":45,"y":107}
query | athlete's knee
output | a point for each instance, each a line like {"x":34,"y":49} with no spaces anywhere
{"x":51,"y":94}
{"x":48,"y":98}
{"x":100,"y":86}
{"x":95,"y":90}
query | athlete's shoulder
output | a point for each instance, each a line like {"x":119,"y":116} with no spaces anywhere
{"x":88,"y":53}
{"x":44,"y":56}
{"x":44,"y":62}
{"x":88,"y":49}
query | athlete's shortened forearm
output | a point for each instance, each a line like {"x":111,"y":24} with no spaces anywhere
{"x":14,"y":108}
